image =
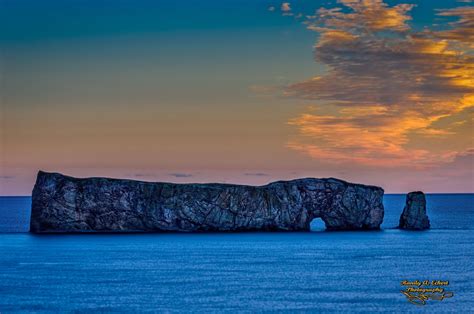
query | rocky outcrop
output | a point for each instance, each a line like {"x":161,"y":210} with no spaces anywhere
{"x":414,"y":215}
{"x":66,"y":204}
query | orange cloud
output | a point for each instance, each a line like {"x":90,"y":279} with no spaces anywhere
{"x":385,"y":84}
{"x":463,"y":29}
{"x":367,"y":16}
{"x":373,"y":136}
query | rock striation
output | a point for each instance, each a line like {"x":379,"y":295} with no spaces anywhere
{"x":414,"y":215}
{"x":65,"y":204}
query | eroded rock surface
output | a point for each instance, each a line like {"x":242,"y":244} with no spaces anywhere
{"x":414,"y":215}
{"x":65,"y":204}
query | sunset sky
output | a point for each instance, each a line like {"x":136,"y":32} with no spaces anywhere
{"x":239,"y":91}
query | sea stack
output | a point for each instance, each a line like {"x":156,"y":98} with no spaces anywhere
{"x":65,"y":204}
{"x":414,"y":215}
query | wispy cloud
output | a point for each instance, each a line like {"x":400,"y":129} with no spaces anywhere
{"x":6,"y":177}
{"x":385,"y":84}
{"x":257,"y":174}
{"x":180,"y":175}
{"x":450,"y":173}
{"x":144,"y":175}
{"x":462,"y":29}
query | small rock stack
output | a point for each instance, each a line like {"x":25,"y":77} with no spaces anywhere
{"x":414,"y":214}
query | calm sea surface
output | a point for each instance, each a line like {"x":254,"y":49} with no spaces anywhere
{"x":246,"y":272}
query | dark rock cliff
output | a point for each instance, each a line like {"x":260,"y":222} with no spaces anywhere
{"x":414,"y":215}
{"x":65,"y":204}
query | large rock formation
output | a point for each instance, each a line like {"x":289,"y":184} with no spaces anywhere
{"x":66,"y":204}
{"x":414,"y":214}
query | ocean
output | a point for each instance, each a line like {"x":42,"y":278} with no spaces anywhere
{"x":315,"y":271}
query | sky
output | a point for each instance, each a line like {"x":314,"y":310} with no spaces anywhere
{"x":248,"y":92}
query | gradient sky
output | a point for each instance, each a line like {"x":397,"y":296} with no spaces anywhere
{"x":239,"y":91}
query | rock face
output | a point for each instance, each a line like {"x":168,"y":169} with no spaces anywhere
{"x":414,"y":214}
{"x":66,"y":204}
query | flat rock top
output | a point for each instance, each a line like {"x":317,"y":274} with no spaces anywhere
{"x":56,"y":175}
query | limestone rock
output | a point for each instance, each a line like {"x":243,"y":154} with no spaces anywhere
{"x":65,"y":204}
{"x":414,"y":215}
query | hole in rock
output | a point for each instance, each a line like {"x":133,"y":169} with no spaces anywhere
{"x":317,"y":224}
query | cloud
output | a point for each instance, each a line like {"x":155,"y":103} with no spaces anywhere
{"x":143,"y":175}
{"x":366,"y":16}
{"x":357,"y":136}
{"x":285,"y":7}
{"x":257,"y":174}
{"x":263,"y":90}
{"x":450,"y":174}
{"x":180,"y":175}
{"x":462,"y":29}
{"x":464,"y":159}
{"x":6,"y":177}
{"x":271,"y":8}
{"x":385,"y":85}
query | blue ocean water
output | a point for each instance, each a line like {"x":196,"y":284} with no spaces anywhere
{"x":243,"y":272}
